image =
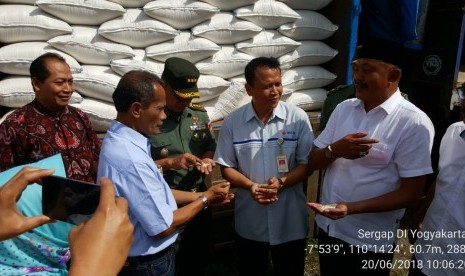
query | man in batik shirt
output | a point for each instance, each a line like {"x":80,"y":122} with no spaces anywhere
{"x":48,"y":125}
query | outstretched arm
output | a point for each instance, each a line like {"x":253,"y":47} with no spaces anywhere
{"x":215,"y":194}
{"x":409,"y":192}
{"x":180,"y":162}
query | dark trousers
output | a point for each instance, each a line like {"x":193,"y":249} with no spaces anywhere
{"x":254,"y":257}
{"x":158,"y":264}
{"x":193,"y":245}
{"x":349,"y":260}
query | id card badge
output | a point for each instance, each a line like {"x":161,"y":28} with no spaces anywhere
{"x":282,"y":163}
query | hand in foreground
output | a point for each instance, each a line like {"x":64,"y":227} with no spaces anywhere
{"x":332,"y":211}
{"x":185,"y":161}
{"x":101,"y":245}
{"x":219,"y":193}
{"x":12,"y":222}
{"x":206,"y":166}
{"x":353,"y":146}
{"x":265,"y":193}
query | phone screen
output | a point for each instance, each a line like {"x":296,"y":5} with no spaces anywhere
{"x":69,"y":200}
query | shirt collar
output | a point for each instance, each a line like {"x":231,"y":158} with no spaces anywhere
{"x":42,"y":109}
{"x":392,"y":102}
{"x":388,"y":105}
{"x":135,"y":137}
{"x":278,"y":112}
{"x":185,"y":113}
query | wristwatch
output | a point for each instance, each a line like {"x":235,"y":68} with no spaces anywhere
{"x":329,"y":153}
{"x":204,"y":201}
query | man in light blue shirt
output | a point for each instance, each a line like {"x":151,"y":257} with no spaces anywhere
{"x":125,"y":158}
{"x":263,"y":149}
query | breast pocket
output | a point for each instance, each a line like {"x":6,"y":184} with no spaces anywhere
{"x":199,"y":132}
{"x":288,"y":149}
{"x":380,"y":155}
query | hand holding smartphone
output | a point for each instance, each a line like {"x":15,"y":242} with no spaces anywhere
{"x":69,"y":200}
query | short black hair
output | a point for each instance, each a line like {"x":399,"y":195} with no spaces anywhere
{"x":250,"y":68}
{"x":135,"y":86}
{"x":38,"y":68}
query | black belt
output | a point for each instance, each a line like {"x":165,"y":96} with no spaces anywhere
{"x":134,"y":260}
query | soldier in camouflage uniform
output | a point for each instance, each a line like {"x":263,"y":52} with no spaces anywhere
{"x":184,"y":150}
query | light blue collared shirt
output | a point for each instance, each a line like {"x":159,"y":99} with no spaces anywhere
{"x":250,"y":146}
{"x":125,"y":159}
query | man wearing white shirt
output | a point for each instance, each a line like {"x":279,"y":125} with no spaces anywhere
{"x":376,"y":151}
{"x":442,"y":254}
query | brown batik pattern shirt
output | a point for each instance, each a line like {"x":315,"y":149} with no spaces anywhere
{"x":32,"y":133}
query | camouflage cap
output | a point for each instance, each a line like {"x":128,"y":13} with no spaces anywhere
{"x":182,"y":76}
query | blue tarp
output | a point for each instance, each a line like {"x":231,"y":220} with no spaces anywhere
{"x":393,"y":20}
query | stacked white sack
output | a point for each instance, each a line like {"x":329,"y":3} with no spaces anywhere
{"x":102,"y":40}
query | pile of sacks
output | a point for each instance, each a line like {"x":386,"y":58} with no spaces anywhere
{"x":101,"y":40}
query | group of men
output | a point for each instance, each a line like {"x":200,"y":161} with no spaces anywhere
{"x":375,"y":150}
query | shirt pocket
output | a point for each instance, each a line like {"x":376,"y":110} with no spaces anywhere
{"x":200,"y":132}
{"x":379,"y":155}
{"x":288,"y":149}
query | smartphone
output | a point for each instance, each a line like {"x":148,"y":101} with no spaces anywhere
{"x":69,"y":200}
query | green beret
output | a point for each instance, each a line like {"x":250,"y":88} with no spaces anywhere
{"x":182,"y":76}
